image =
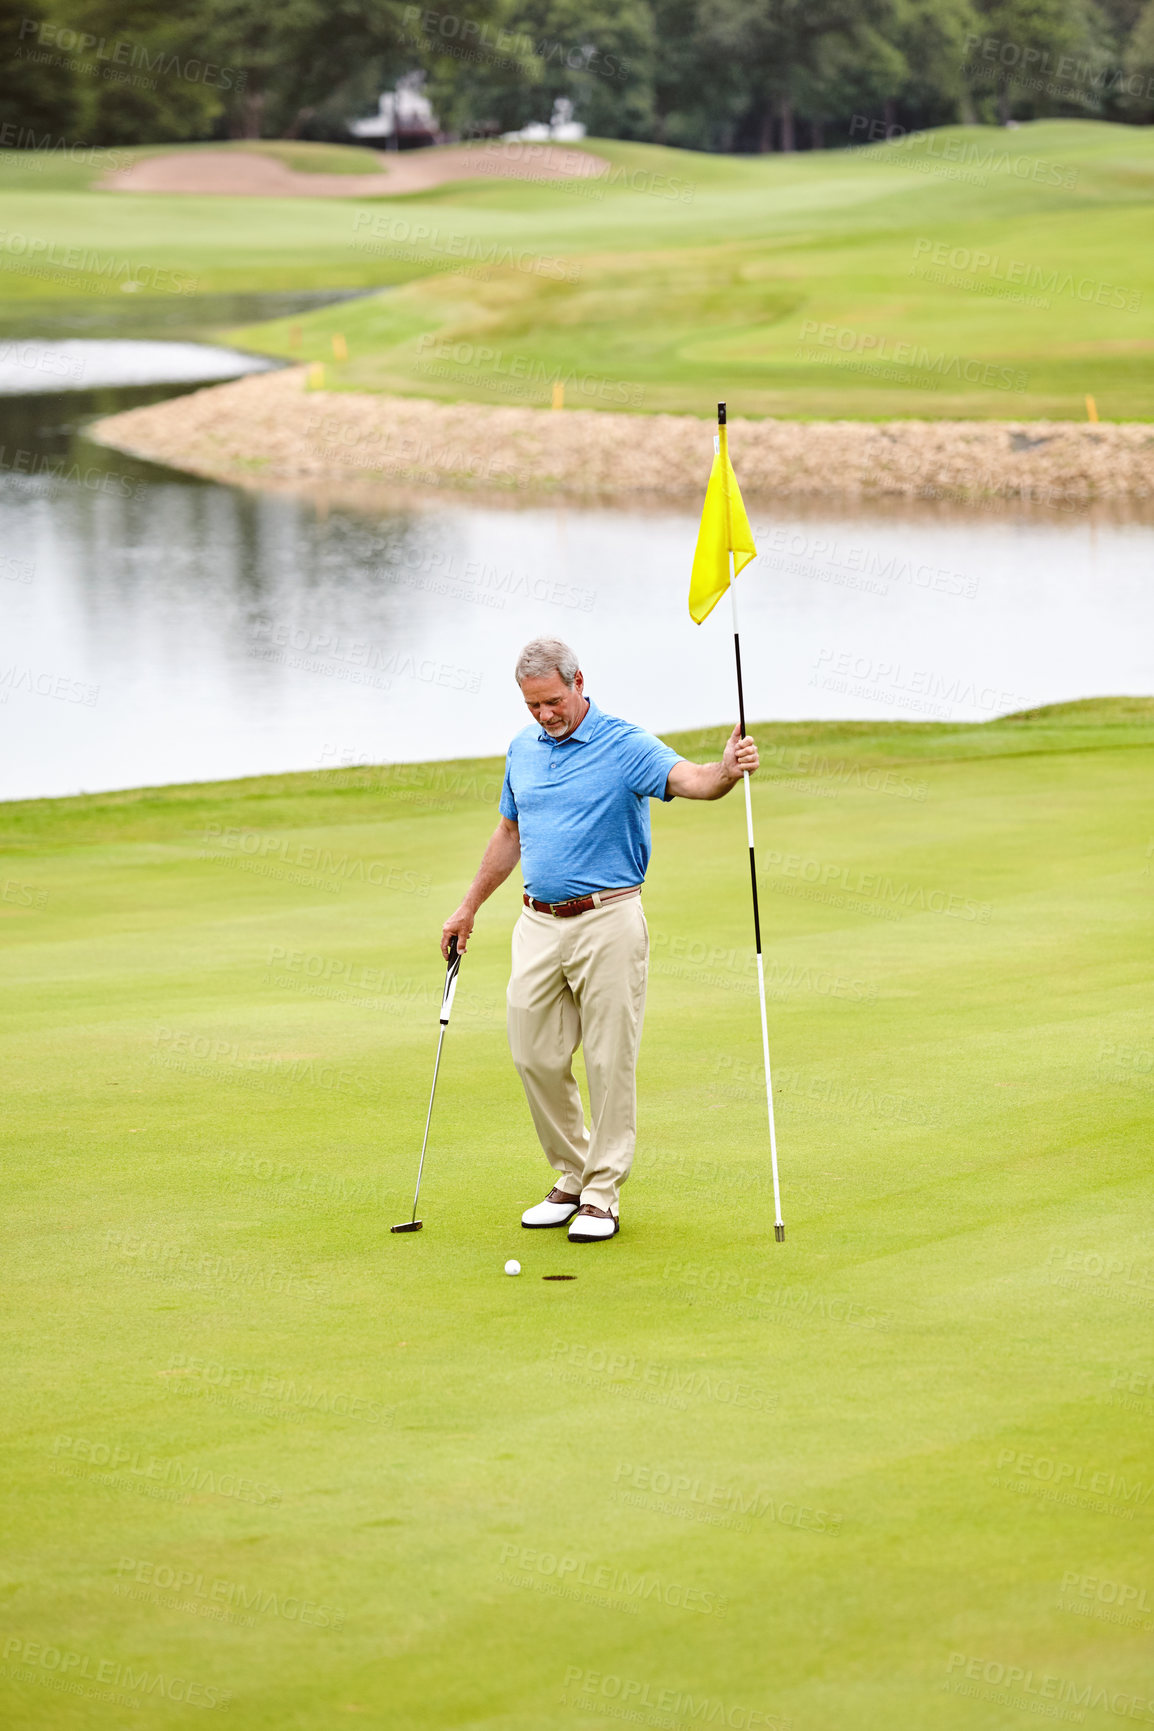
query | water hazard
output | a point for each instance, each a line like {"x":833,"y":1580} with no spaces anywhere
{"x":159,"y":628}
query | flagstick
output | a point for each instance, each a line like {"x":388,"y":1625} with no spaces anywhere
{"x":778,"y":1223}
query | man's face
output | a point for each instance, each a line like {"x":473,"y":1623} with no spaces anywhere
{"x":553,"y":704}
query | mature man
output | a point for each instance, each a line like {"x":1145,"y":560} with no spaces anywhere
{"x":575,"y":812}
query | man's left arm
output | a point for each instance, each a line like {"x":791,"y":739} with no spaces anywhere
{"x":713,"y":780}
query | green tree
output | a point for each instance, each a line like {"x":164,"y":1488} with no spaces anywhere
{"x":932,"y":35}
{"x":1138,"y":102}
{"x":907,"y":63}
{"x":38,"y":94}
{"x":686,"y":102}
{"x":596,"y":56}
{"x":807,"y":58}
{"x":140,"y":75}
{"x":293,"y":57}
{"x":607,"y":54}
{"x":860,"y":72}
{"x":1013,"y":69}
{"x":1122,"y":16}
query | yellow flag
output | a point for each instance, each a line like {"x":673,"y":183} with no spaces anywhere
{"x":724,"y":526}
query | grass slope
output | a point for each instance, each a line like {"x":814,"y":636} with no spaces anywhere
{"x":692,"y":277}
{"x":82,"y":168}
{"x":260,"y":1446}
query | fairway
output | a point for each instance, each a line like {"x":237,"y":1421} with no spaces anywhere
{"x":892,"y":1474}
{"x":964,"y":273}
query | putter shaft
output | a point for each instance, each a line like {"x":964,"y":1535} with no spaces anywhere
{"x":454,"y":964}
{"x":428,"y":1118}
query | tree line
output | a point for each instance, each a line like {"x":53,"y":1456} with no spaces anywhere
{"x":721,"y":75}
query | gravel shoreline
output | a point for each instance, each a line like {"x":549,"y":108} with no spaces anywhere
{"x":269,"y":430}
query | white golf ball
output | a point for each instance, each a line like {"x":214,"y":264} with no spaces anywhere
{"x":512,"y":1268}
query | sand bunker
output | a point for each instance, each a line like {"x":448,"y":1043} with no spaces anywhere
{"x":250,"y":174}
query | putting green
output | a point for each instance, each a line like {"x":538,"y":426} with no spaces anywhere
{"x":967,"y":273}
{"x":885,"y":1474}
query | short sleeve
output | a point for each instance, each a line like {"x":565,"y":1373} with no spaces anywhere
{"x":645,"y":762}
{"x":508,"y":805}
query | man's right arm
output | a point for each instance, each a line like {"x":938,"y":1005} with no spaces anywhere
{"x":501,"y":855}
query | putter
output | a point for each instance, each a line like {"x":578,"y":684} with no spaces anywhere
{"x":415,"y":1225}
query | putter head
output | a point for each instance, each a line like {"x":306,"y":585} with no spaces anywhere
{"x":408,"y":1226}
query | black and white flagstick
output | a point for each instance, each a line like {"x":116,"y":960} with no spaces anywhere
{"x":778,"y":1223}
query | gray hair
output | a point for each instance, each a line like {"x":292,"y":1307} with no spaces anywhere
{"x":547,"y":655}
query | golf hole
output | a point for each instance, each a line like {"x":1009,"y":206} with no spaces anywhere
{"x":558,"y":1277}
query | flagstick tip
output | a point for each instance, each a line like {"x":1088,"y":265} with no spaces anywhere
{"x":779,"y":1233}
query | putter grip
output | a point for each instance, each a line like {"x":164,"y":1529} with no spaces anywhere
{"x":453,"y":970}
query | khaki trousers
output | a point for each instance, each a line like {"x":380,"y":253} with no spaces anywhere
{"x":581,"y":982}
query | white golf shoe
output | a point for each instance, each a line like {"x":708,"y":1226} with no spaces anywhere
{"x":590,"y":1225}
{"x":557,"y":1208}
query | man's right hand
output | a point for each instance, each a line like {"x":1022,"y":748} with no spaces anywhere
{"x":459,"y":925}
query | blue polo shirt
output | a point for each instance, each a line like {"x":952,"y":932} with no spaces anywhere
{"x":582,"y":804}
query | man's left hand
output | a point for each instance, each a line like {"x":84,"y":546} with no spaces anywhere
{"x":740,"y":755}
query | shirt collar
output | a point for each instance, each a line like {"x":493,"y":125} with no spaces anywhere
{"x":583,"y":733}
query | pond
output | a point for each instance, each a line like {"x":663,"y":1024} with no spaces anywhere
{"x":159,"y":628}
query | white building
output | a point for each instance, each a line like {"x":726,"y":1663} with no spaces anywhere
{"x":404,"y":116}
{"x":561,"y":127}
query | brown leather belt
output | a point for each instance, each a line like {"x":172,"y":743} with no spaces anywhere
{"x":579,"y":904}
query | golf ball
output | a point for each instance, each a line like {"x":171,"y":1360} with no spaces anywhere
{"x":512,"y":1268}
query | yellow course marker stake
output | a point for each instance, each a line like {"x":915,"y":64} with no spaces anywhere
{"x":1091,"y":409}
{"x":340,"y":347}
{"x":559,"y":394}
{"x":296,"y":336}
{"x":316,"y":376}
